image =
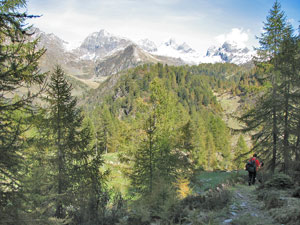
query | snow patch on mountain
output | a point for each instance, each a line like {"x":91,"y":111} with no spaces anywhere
{"x":171,"y":48}
{"x":102,"y":44}
{"x":70,"y":46}
{"x":147,"y":45}
{"x":230,"y":52}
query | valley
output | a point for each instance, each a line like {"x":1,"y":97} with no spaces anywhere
{"x":147,"y":130}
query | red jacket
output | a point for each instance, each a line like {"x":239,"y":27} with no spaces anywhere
{"x":257,"y":163}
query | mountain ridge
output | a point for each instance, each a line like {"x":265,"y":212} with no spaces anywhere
{"x":102,"y":54}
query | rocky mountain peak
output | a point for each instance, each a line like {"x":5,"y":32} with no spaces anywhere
{"x":100,"y":44}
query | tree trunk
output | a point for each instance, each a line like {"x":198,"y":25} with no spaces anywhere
{"x":286,"y":131}
{"x":274,"y":130}
{"x":59,"y":207}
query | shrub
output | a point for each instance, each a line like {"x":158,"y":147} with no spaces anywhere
{"x":217,"y":199}
{"x":246,"y":219}
{"x":296,"y":192}
{"x":273,"y":201}
{"x":159,"y":205}
{"x":295,"y":171}
{"x":280,"y":181}
{"x":287,"y":217}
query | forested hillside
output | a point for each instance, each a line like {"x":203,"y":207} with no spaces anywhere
{"x":185,"y":94}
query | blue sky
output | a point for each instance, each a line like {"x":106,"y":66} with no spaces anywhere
{"x":200,"y":23}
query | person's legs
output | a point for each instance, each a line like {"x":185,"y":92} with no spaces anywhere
{"x":250,"y":178}
{"x":253,"y":177}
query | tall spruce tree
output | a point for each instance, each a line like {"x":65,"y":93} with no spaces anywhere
{"x":71,"y":142}
{"x":18,"y":69}
{"x":296,"y":148}
{"x":63,"y":177}
{"x":64,"y":119}
{"x":267,"y":113}
{"x":288,"y":90}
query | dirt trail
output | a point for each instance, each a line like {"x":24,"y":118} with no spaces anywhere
{"x":246,"y":209}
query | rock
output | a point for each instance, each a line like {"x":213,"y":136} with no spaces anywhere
{"x":243,"y":204}
{"x":233,"y":213}
{"x":227,"y":221}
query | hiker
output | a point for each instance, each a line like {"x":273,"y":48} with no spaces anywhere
{"x":252,"y":165}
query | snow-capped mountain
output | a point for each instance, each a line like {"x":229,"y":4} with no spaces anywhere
{"x":147,"y":45}
{"x":229,"y":52}
{"x":102,"y":54}
{"x":171,"y":48}
{"x":101,"y":44}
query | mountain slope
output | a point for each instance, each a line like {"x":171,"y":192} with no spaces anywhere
{"x":100,"y":44}
{"x":130,"y":57}
{"x":102,"y":54}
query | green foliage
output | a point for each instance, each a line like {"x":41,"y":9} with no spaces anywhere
{"x":63,"y":177}
{"x":18,"y":69}
{"x":241,"y":152}
{"x":203,"y":180}
{"x":186,"y":108}
{"x":277,"y":70}
{"x":158,"y":155}
{"x":272,"y":200}
{"x":280,"y":181}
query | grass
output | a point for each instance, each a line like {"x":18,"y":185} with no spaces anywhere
{"x":202,"y":181}
{"x":116,"y":179}
{"x":205,"y":180}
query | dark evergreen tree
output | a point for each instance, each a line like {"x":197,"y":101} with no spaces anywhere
{"x":145,"y":159}
{"x":18,"y":69}
{"x":76,"y":177}
{"x":267,"y":113}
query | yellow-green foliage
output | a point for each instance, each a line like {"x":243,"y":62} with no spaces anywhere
{"x":240,"y":151}
{"x":183,"y":188}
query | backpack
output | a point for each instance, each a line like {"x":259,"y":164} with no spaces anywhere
{"x":251,"y":165}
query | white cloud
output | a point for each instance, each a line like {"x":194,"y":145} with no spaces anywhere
{"x":237,"y":36}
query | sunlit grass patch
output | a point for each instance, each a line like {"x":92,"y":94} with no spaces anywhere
{"x":116,"y":178}
{"x":209,"y":180}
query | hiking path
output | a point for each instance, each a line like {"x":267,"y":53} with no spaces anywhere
{"x":246,"y":209}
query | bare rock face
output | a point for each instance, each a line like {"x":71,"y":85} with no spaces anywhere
{"x":101,"y":44}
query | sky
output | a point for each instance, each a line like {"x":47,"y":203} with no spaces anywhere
{"x":199,"y":23}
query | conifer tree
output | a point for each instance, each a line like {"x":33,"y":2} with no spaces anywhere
{"x":64,"y":120}
{"x":74,"y":159}
{"x":18,"y":69}
{"x":159,"y":154}
{"x":267,"y":113}
{"x":240,"y":152}
{"x":288,"y":91}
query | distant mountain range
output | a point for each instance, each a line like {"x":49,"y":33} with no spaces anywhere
{"x":102,"y":54}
